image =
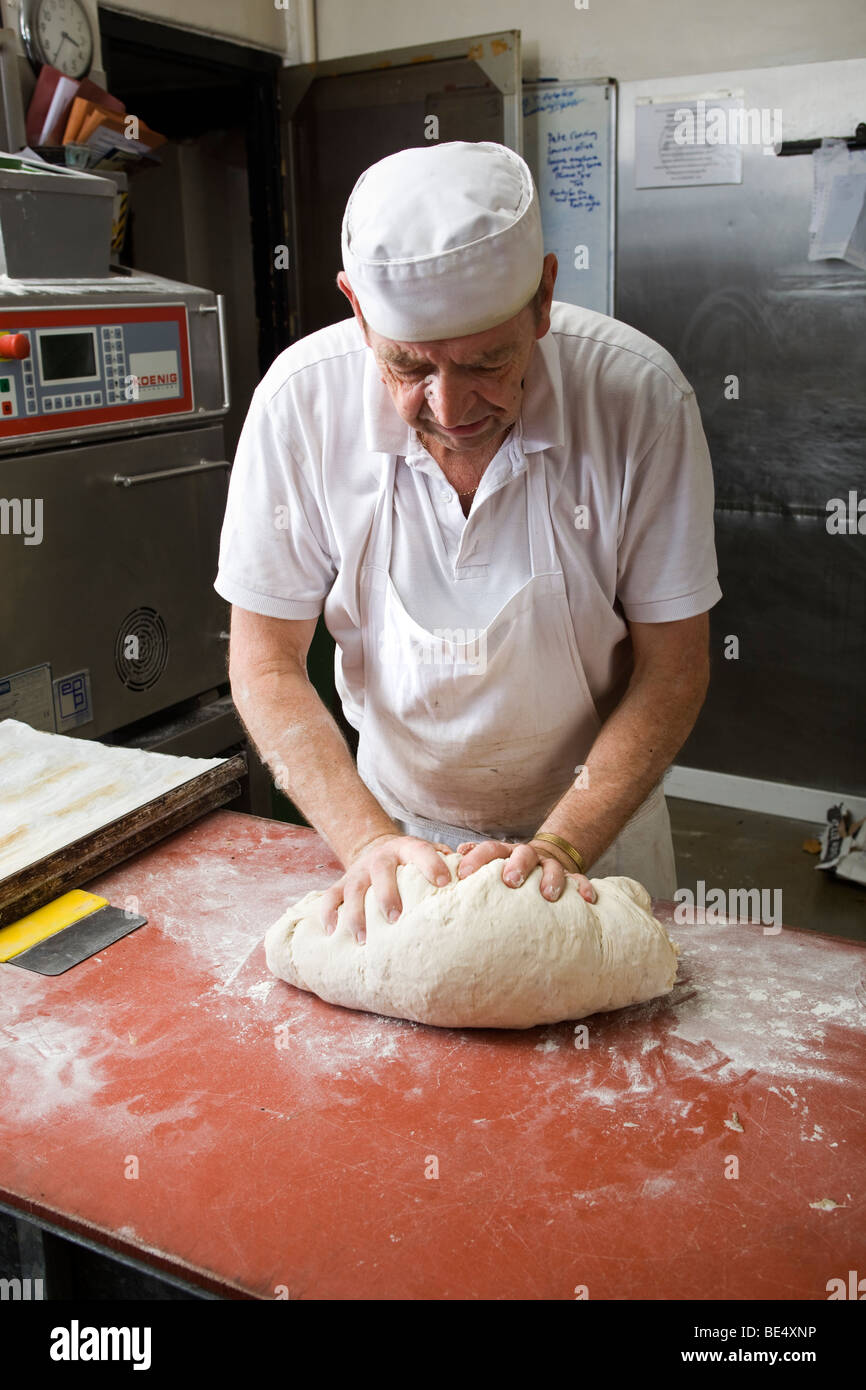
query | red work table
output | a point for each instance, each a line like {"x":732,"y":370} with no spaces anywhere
{"x":708,"y":1144}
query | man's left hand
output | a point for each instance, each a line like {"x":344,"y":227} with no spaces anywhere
{"x":520,"y":860}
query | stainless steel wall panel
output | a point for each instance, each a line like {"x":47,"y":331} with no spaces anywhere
{"x":719,"y":275}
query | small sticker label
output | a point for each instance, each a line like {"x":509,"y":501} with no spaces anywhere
{"x":155,"y":376}
{"x":72,"y":700}
{"x":26,"y":695}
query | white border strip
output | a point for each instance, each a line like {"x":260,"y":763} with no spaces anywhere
{"x":751,"y":794}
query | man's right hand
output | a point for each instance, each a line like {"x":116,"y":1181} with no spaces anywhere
{"x":376,"y":867}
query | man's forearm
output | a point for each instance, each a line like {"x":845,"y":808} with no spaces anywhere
{"x":634,"y":747}
{"x":298,"y":739}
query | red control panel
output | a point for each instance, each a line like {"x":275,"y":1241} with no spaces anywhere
{"x":70,"y":368}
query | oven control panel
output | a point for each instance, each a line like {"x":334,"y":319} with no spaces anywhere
{"x":67,"y":368}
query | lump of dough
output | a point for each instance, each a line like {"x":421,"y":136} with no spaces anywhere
{"x":478,"y":954}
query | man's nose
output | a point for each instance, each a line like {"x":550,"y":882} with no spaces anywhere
{"x":449,"y":398}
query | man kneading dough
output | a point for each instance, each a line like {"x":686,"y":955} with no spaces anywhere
{"x":503,"y":505}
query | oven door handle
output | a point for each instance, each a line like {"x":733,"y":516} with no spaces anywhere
{"x":203,"y":466}
{"x":220,"y":310}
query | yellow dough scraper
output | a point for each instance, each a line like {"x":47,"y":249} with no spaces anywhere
{"x":65,"y":932}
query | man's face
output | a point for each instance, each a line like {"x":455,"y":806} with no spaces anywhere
{"x":461,"y":392}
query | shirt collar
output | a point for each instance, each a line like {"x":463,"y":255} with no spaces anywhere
{"x":540,"y":426}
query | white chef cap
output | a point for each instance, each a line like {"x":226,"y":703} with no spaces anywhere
{"x":443,"y":240}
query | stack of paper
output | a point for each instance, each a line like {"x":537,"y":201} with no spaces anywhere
{"x":65,"y":112}
{"x":108,"y":134}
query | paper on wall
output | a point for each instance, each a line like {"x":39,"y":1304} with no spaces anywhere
{"x":677,"y":144}
{"x":837,"y":229}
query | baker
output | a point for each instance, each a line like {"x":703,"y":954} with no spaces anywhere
{"x":503,"y":505}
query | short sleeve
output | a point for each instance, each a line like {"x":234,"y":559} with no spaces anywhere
{"x":667,"y":566}
{"x":275,"y":557}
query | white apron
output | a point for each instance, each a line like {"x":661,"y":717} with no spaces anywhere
{"x":485,"y":729}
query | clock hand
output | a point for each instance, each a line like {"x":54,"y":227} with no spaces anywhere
{"x":70,"y":38}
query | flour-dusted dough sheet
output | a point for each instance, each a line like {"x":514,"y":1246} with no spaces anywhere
{"x":54,"y":790}
{"x":477,"y":954}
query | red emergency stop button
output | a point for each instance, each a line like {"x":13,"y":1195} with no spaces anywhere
{"x":14,"y":345}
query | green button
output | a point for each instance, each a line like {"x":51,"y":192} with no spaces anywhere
{"x":4,"y":383}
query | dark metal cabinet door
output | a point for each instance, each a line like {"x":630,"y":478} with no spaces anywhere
{"x":338,"y":118}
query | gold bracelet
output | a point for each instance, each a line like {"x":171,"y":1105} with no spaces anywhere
{"x":566,"y":848}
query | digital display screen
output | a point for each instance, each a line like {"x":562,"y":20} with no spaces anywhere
{"x":67,"y":356}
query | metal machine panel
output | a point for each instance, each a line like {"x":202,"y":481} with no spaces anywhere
{"x":113,"y":589}
{"x":106,"y":356}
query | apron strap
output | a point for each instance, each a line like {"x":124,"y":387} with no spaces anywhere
{"x":542,"y":542}
{"x":452,"y":835}
{"x":378,"y":552}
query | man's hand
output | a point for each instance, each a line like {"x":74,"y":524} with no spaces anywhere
{"x":376,"y":867}
{"x":520,"y":860}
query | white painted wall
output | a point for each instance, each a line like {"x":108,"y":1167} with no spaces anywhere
{"x":625,"y":39}
{"x":257,"y":22}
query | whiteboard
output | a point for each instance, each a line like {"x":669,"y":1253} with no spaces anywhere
{"x":569,"y":143}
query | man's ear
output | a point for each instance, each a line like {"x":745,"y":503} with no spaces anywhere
{"x":551,"y":265}
{"x":344,"y":286}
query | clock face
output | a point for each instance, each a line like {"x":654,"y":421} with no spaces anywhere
{"x":62,"y":36}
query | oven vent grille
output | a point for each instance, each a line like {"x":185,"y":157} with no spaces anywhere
{"x":141,"y":649}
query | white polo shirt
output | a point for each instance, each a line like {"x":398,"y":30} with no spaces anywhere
{"x":629,"y":485}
